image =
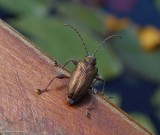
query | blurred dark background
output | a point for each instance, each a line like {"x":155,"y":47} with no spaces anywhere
{"x":130,"y":66}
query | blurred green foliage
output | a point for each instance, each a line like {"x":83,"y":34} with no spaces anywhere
{"x":156,"y":102}
{"x":146,"y":64}
{"x":27,"y":7}
{"x":157,"y":3}
{"x":83,"y":15}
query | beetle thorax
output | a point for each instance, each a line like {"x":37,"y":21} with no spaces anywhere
{"x":91,"y":60}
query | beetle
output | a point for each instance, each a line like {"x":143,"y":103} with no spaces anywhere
{"x":83,"y":77}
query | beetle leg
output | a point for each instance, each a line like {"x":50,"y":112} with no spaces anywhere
{"x":72,"y":60}
{"x":99,"y":78}
{"x":60,"y":76}
{"x":88,"y":108}
{"x":94,"y":91}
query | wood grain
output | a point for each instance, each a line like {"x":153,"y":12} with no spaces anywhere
{"x":23,"y":69}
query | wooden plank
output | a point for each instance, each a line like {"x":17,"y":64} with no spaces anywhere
{"x":23,"y":69}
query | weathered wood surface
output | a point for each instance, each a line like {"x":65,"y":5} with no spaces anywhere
{"x":23,"y":69}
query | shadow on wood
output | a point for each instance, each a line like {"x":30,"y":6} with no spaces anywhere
{"x":23,"y":69}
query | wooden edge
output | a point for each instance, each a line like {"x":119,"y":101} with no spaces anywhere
{"x":44,"y":56}
{"x":30,"y":44}
{"x":122,"y":114}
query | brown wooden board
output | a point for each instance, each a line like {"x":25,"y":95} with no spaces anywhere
{"x":23,"y":69}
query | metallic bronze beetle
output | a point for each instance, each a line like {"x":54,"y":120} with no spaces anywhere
{"x":83,"y":76}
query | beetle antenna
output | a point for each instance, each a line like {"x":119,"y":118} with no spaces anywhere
{"x":79,"y":36}
{"x":104,"y":41}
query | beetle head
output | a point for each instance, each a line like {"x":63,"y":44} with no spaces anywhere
{"x":91,"y":60}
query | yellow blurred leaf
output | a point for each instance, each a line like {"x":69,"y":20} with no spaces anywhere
{"x":149,"y":38}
